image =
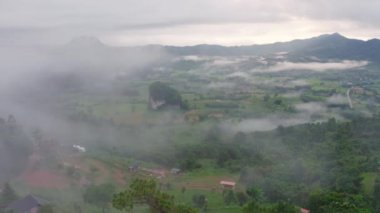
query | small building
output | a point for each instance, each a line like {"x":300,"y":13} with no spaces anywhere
{"x":175,"y":171}
{"x":228,"y":184}
{"x":134,"y":167}
{"x":28,"y":204}
{"x":304,"y":210}
{"x":155,"y":172}
{"x":79,"y":148}
{"x":216,"y":115}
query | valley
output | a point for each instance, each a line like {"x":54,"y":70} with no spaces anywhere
{"x":279,"y":122}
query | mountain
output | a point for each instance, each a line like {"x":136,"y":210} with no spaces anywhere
{"x":86,"y":42}
{"x":330,"y":46}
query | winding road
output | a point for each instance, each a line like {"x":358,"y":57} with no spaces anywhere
{"x":349,"y":99}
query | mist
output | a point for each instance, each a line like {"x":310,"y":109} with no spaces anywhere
{"x":36,"y":78}
{"x":305,"y":113}
{"x":215,"y":106}
{"x":317,"y":66}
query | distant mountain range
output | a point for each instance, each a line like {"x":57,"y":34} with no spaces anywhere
{"x":329,"y":46}
{"x":324,"y":47}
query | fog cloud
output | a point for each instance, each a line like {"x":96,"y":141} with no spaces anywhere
{"x":317,"y":66}
{"x":265,"y":124}
{"x":337,"y":99}
{"x":305,"y":113}
{"x":35,"y":78}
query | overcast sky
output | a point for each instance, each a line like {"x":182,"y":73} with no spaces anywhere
{"x":184,"y":22}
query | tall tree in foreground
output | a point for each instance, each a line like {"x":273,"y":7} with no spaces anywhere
{"x":8,"y":195}
{"x":146,"y":192}
{"x":331,"y":201}
{"x":46,"y":209}
{"x":99,"y":196}
{"x":376,"y":193}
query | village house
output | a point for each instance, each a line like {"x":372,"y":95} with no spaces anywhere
{"x":175,"y":171}
{"x":134,"y":167}
{"x":228,"y":184}
{"x":155,"y":172}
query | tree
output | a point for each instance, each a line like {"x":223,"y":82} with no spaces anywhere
{"x":46,"y":209}
{"x":147,"y":192}
{"x":8,"y":195}
{"x":330,"y":201}
{"x":255,"y":193}
{"x":278,"y":102}
{"x":77,"y":208}
{"x":376,"y":192}
{"x":229,"y":197}
{"x":242,"y":198}
{"x":99,"y":196}
{"x":200,"y":201}
{"x":159,"y":91}
{"x":266,"y":98}
{"x":259,"y":207}
{"x":253,"y":207}
{"x":344,"y":164}
{"x":183,"y":190}
{"x":190,"y":164}
{"x":283,"y":207}
{"x":240,"y":137}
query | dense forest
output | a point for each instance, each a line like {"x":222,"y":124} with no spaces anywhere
{"x":326,"y":167}
{"x":161,"y":92}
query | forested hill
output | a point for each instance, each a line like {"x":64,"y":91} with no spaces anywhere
{"x":326,"y":47}
{"x":326,"y":167}
{"x":161,"y":95}
{"x":332,"y":46}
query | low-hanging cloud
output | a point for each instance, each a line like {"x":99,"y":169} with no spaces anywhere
{"x":311,"y":108}
{"x":305,"y":113}
{"x":317,"y":66}
{"x":35,"y":78}
{"x":263,"y":124}
{"x":299,"y":82}
{"x":24,"y":65}
{"x":220,"y":85}
{"x":243,"y":75}
{"x":337,"y":99}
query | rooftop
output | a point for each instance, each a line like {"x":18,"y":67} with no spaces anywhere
{"x":26,"y":203}
{"x":229,"y":183}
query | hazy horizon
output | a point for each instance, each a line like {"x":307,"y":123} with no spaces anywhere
{"x":94,"y":39}
{"x":168,"y":22}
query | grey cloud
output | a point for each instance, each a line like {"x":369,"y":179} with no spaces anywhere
{"x":138,"y":13}
{"x":68,"y":18}
{"x":364,"y":12}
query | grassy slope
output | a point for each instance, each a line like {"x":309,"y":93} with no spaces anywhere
{"x":369,"y":182}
